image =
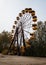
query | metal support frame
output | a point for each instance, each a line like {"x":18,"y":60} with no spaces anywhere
{"x":23,"y":36}
{"x":16,"y":39}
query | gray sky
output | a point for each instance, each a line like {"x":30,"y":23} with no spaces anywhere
{"x":9,"y":9}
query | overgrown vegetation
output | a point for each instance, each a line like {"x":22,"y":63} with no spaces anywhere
{"x":37,"y":46}
{"x":5,"y":39}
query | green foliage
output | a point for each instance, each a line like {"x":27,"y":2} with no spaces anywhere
{"x":5,"y":39}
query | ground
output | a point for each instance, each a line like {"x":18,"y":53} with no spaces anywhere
{"x":20,"y":60}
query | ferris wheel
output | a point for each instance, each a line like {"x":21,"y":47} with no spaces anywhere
{"x":24,"y":27}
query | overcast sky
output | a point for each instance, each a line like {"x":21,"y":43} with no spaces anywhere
{"x":9,"y":9}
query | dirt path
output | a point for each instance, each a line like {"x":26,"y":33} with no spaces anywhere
{"x":19,"y":60}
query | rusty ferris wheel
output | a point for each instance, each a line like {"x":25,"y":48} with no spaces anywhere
{"x":24,"y":24}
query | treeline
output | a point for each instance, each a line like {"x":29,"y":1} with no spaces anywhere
{"x":37,"y":45}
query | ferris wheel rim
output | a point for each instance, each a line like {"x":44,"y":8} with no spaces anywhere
{"x":21,"y":16}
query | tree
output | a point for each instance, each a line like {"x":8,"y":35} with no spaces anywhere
{"x":5,"y":39}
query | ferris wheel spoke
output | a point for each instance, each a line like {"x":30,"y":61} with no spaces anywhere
{"x":24,"y":18}
{"x":26,"y":36}
{"x":27,"y":27}
{"x":27,"y":31}
{"x":26,"y":21}
{"x":27,"y":24}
